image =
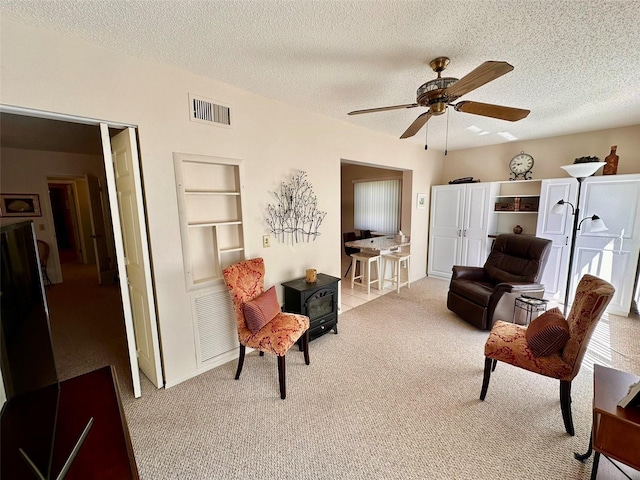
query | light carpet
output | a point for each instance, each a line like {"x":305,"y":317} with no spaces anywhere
{"x":395,"y":395}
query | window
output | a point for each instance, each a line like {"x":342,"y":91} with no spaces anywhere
{"x":376,"y":205}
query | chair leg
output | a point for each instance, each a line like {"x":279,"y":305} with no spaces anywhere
{"x":488,"y":363}
{"x":348,"y":268}
{"x":240,"y":361}
{"x":493,"y":367}
{"x":305,"y":345}
{"x":565,"y":405}
{"x":281,"y":377}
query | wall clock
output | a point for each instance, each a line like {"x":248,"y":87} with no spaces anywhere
{"x":521,"y":166}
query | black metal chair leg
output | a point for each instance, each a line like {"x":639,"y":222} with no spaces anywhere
{"x":565,"y":406}
{"x":488,"y":363}
{"x":281,"y":377}
{"x":493,"y":367}
{"x":305,"y":346}
{"x":240,"y":361}
{"x":348,"y":268}
{"x":583,"y":456}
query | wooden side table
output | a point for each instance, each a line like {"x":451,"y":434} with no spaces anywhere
{"x":616,"y":430}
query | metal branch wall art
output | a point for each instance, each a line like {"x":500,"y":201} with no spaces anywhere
{"x":295,"y":217}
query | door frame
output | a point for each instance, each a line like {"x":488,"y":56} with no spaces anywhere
{"x":117,"y":232}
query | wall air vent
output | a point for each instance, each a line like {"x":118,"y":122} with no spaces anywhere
{"x":205,"y":110}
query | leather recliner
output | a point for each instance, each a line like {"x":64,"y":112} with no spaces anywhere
{"x":481,"y":295}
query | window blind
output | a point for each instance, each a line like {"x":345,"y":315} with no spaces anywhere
{"x":376,"y":205}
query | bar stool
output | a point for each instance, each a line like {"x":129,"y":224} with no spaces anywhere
{"x":397,"y":259}
{"x":364,"y":279}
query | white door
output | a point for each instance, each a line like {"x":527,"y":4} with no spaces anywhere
{"x":557,"y":228}
{"x":125,"y":197}
{"x":475,"y":229}
{"x":445,"y":233}
{"x":613,"y":254}
{"x":98,"y":232}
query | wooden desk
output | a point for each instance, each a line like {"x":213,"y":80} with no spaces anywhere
{"x":616,"y":430}
{"x":106,"y":453}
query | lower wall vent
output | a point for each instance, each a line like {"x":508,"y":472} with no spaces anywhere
{"x":204,"y":110}
{"x":215,"y":324}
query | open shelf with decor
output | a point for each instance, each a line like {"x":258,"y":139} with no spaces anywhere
{"x":210,"y":209}
{"x":516,"y":203}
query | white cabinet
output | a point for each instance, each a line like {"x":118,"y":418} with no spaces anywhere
{"x":210,"y":209}
{"x":460,"y":225}
{"x":613,"y":254}
{"x":557,"y":228}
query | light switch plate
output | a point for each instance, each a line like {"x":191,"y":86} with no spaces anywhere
{"x":266,"y":241}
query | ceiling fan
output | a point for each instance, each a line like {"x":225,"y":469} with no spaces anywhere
{"x":441,"y":92}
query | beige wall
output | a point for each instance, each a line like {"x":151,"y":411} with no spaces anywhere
{"x":56,"y":73}
{"x":491,"y":163}
{"x":27,"y":171}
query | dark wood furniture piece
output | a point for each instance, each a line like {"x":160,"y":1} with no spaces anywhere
{"x":106,"y":452}
{"x":318,"y":301}
{"x":616,"y":430}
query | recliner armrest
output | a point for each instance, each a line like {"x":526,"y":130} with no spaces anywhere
{"x":516,"y":287}
{"x":462,"y":272}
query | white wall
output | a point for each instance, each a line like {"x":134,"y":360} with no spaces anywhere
{"x":491,"y":163}
{"x":46,"y":71}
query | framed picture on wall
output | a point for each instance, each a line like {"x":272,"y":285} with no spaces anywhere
{"x":20,"y":205}
{"x":422,"y":200}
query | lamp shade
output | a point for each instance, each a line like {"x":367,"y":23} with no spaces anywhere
{"x":597,"y":225}
{"x":558,"y":208}
{"x":582,"y":170}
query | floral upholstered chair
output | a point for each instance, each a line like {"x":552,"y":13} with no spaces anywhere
{"x":261,"y":324}
{"x":550,"y":345}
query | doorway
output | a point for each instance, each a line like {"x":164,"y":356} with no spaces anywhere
{"x":55,"y":144}
{"x":65,"y":222}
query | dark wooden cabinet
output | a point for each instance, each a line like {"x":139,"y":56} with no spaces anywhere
{"x":318,"y":301}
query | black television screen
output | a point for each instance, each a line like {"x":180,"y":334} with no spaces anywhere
{"x":26,"y":358}
{"x":27,"y":352}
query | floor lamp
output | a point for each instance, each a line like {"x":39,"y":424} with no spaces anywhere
{"x":579,"y":171}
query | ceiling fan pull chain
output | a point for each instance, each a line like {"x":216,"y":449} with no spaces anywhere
{"x":446,"y":140}
{"x":426,"y":137}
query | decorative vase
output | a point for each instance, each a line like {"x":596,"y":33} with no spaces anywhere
{"x":612,"y":162}
{"x":517,"y":229}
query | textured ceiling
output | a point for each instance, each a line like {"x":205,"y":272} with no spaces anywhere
{"x":577,"y":63}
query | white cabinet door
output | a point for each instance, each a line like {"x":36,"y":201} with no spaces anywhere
{"x":475,"y":229}
{"x":459,"y":229}
{"x":613,"y":254}
{"x":447,"y":214}
{"x":557,"y":228}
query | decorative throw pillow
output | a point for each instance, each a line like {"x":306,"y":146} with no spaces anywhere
{"x":261,"y":310}
{"x":548,"y":333}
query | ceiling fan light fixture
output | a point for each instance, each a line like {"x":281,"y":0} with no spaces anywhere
{"x":437,"y":108}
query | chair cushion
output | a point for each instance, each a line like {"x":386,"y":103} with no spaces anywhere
{"x":261,"y":310}
{"x":507,"y":343}
{"x":279,"y":335}
{"x":548,"y":333}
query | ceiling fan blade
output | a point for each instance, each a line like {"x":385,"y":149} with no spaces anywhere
{"x":417,"y":124}
{"x":383,"y":109}
{"x":495,"y":111}
{"x":485,"y":73}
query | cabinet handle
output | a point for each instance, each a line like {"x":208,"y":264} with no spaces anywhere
{"x":459,"y":232}
{"x":566,"y":240}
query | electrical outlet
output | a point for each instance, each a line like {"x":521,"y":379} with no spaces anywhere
{"x":266,"y":241}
